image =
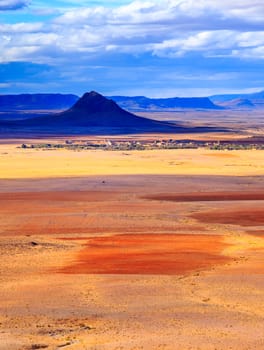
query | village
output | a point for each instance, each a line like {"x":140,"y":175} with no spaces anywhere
{"x":129,"y":145}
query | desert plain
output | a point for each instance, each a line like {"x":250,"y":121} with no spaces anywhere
{"x":154,"y":249}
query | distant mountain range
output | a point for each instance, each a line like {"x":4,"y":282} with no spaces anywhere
{"x":254,"y":100}
{"x":49,"y":102}
{"x":93,"y":114}
{"x":228,"y":97}
{"x":137,"y":103}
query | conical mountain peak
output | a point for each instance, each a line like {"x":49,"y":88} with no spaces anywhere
{"x":94,"y":102}
{"x":91,"y":94}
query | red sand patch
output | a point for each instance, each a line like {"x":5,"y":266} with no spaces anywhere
{"x":148,"y":254}
{"x":243,"y":217}
{"x":207,"y":196}
{"x":258,"y":233}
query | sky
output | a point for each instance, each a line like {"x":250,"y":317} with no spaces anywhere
{"x":155,"y":48}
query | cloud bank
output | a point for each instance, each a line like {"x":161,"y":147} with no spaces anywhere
{"x":168,"y":28}
{"x":7,"y":5}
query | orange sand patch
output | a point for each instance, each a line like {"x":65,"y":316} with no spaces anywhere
{"x":148,"y":254}
{"x":220,"y":155}
{"x":207,"y":196}
{"x":244,"y":217}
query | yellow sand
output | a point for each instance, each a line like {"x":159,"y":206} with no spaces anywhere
{"x":31,"y":163}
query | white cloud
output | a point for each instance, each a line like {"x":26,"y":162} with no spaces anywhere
{"x":17,"y":53}
{"x":167,"y":28}
{"x":207,"y":42}
{"x":250,"y":53}
{"x":21,"y":28}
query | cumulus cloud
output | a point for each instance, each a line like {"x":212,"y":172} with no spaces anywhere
{"x":6,"y":5}
{"x":169,"y":28}
{"x":21,"y":28}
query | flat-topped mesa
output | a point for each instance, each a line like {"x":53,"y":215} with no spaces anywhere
{"x":138,"y":103}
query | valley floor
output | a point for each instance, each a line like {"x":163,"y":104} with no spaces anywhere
{"x":136,"y":250}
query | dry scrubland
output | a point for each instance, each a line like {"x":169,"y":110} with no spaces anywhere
{"x":131,"y":250}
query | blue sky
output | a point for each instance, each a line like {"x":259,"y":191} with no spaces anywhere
{"x":150,"y":47}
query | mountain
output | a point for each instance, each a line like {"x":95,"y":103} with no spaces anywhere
{"x":94,"y":114}
{"x":227,"y":97}
{"x":256,"y":99}
{"x":36,"y":101}
{"x":239,"y":103}
{"x":139,"y":103}
{"x":93,"y":110}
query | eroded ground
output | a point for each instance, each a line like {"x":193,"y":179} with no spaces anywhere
{"x":166,"y":259}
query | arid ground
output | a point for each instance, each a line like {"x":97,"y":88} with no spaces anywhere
{"x":153,"y":250}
